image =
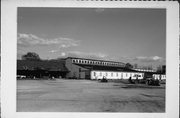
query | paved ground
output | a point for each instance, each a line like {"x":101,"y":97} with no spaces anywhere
{"x":87,"y":96}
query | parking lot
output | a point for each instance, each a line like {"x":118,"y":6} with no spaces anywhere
{"x":62,"y":95}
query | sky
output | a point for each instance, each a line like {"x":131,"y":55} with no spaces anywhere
{"x":129,"y":35}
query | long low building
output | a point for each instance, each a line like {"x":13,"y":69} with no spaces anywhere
{"x":81,"y":68}
{"x":42,"y":68}
{"x":98,"y":74}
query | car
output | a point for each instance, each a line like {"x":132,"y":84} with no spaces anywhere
{"x":21,"y":76}
{"x":104,"y":79}
{"x":152,"y":81}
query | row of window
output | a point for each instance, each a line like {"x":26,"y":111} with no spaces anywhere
{"x":158,"y":76}
{"x":115,"y":74}
{"x":96,"y":62}
{"x":144,"y":70}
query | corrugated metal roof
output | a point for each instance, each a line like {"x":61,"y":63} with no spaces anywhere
{"x":106,"y":68}
{"x":94,"y":59}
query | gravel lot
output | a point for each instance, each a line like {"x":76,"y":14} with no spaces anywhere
{"x":87,"y":96}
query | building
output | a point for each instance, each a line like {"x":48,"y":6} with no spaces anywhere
{"x":97,"y":69}
{"x":144,"y":70}
{"x":81,"y":68}
{"x":41,"y":68}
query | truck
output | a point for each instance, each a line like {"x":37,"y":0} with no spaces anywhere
{"x":148,"y":79}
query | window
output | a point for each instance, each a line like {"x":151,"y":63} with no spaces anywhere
{"x":111,"y":74}
{"x":106,"y":74}
{"x":126,"y":74}
{"x":94,"y":73}
{"x":100,"y":74}
{"x":73,"y":61}
{"x":117,"y":74}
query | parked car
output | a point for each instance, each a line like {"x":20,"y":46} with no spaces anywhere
{"x":21,"y":76}
{"x":104,"y":79}
{"x":152,"y":81}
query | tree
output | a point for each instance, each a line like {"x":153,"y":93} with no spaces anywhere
{"x":161,"y":69}
{"x":31,"y":56}
{"x":128,"y":65}
{"x":135,"y":65}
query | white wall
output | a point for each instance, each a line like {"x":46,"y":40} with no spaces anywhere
{"x":115,"y":75}
{"x":163,"y":77}
{"x":157,"y":76}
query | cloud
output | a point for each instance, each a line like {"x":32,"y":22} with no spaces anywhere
{"x":87,"y":55}
{"x":99,"y":10}
{"x":66,"y":42}
{"x":63,"y":54}
{"x":53,"y":51}
{"x":31,"y":40}
{"x":149,"y":59}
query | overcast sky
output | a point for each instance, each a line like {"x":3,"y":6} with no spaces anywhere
{"x":127,"y":35}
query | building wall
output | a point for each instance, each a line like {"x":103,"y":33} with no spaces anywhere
{"x":163,"y":77}
{"x":74,"y":70}
{"x":115,"y":75}
{"x":159,"y":76}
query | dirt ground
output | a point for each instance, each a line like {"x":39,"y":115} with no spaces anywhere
{"x":87,"y":96}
